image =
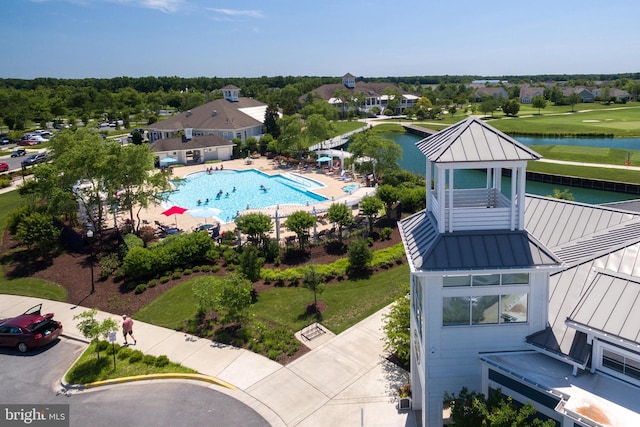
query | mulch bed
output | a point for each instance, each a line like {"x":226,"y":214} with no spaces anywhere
{"x":72,"y":270}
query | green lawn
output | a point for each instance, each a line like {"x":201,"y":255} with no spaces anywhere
{"x":27,"y":286}
{"x":617,"y":121}
{"x":348,"y":302}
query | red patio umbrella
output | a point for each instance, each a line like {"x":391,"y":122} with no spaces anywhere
{"x":175,"y":210}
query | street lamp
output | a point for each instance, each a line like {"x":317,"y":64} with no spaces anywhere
{"x":90,"y":237}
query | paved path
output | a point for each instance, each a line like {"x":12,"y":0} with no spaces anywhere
{"x":343,"y":381}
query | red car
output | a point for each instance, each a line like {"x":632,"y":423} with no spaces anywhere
{"x":29,"y":330}
{"x":4,"y":167}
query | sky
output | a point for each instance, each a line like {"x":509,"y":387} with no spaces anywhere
{"x":370,"y":38}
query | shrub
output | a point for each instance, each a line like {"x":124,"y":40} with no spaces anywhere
{"x":124,"y":353}
{"x":162,"y":361}
{"x":131,"y":241}
{"x":187,"y":271}
{"x":176,"y":275}
{"x":152,"y":283}
{"x":215,"y":268}
{"x":197,"y":268}
{"x":108,"y":265}
{"x":385,"y":233}
{"x":360,"y":255}
{"x":140,"y":289}
{"x":149,"y":360}
{"x":135,"y":356}
{"x":102,"y":345}
{"x":272,"y":250}
{"x":164,"y":279}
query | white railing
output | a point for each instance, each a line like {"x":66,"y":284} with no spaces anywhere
{"x":475,"y":209}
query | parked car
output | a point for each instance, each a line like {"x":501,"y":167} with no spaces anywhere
{"x":34,"y":159}
{"x":4,"y":140}
{"x":26,"y":143}
{"x":29,"y":330}
{"x":4,"y":167}
{"x":19,"y":152}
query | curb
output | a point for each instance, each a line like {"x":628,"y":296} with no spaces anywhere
{"x":195,"y":377}
{"x":148,"y":377}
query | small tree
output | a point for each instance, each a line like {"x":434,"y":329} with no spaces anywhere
{"x":251,"y":262}
{"x":230,"y":296}
{"x":370,"y":207}
{"x":299,"y":222}
{"x":340,"y":215}
{"x":256,"y":226}
{"x":562,"y":195}
{"x":38,"y":229}
{"x":92,"y":329}
{"x":360,"y":256}
{"x":313,"y":282}
{"x":539,"y":102}
{"x":397,"y":338}
{"x":389,"y":195}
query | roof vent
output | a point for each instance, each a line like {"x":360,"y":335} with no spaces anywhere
{"x":188,"y":113}
{"x":214,"y":113}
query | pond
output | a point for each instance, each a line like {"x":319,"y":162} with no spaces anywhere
{"x":414,"y":161}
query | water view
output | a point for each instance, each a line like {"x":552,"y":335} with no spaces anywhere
{"x":414,"y":161}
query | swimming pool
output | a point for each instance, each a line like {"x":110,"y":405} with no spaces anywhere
{"x":350,"y":188}
{"x":280,"y":189}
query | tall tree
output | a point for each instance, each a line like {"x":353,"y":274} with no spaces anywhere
{"x":374,"y":154}
{"x":344,"y":96}
{"x":271,"y":117}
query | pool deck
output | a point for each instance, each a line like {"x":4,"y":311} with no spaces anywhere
{"x":332,"y":190}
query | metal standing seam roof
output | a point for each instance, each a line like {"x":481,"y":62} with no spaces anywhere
{"x":611,"y":305}
{"x":429,"y":250}
{"x":472,"y":140}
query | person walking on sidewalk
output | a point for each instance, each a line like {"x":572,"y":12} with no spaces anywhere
{"x":127,"y":329}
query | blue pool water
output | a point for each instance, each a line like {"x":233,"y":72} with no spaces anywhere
{"x":281,"y":189}
{"x":349,"y":188}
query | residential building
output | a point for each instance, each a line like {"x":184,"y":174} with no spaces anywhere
{"x":490,"y":91}
{"x":374,"y":94}
{"x":528,"y":93}
{"x":230,"y":117}
{"x":536,"y":296}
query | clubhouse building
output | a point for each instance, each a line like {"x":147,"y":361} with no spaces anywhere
{"x":536,"y":296}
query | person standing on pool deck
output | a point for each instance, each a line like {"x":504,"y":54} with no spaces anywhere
{"x":127,"y":329}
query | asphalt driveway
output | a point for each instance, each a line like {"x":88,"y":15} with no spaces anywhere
{"x":34,"y":378}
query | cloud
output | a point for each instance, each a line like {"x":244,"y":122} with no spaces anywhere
{"x":237,"y":12}
{"x":166,"y":6}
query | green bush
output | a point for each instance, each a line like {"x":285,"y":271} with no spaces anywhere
{"x":360,"y":255}
{"x":113,"y":348}
{"x":108,"y":265}
{"x":149,"y":359}
{"x":164,"y":279}
{"x":136,"y":356}
{"x":152,"y":283}
{"x":162,"y":361}
{"x":131,"y":241}
{"x":140,"y":289}
{"x":187,"y":271}
{"x":385,"y":233}
{"x":102,"y":345}
{"x":176,"y":275}
{"x":124,"y":353}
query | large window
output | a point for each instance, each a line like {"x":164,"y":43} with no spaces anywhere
{"x":486,"y":309}
{"x":486,"y":280}
{"x":621,"y":362}
{"x":417,"y":303}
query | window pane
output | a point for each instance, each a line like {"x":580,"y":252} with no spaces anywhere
{"x":484,"y":310}
{"x":514,"y":308}
{"x":612,"y":360}
{"x":515,"y":279}
{"x":486,"y":279}
{"x":632,"y":368}
{"x":456,"y":281}
{"x":455,"y":311}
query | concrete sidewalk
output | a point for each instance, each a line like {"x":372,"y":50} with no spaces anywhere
{"x":343,"y":381}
